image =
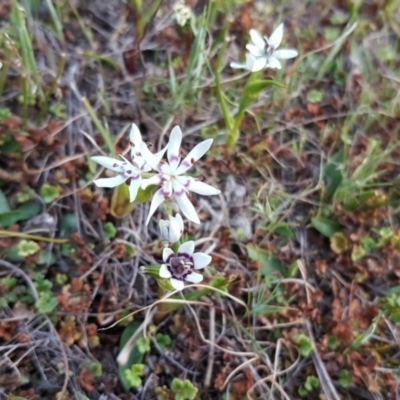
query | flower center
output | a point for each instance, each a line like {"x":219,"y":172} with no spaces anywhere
{"x":268,"y":48}
{"x":179,"y":265}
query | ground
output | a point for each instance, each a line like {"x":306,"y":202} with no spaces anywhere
{"x":302,"y":297}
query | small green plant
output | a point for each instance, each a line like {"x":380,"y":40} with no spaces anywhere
{"x":133,"y":375}
{"x":305,"y":344}
{"x":109,"y":230}
{"x":311,"y":384}
{"x":315,"y":96}
{"x":94,"y":367}
{"x":390,"y":305}
{"x":183,"y":389}
{"x":344,"y":378}
{"x":47,"y":302}
{"x":163,"y":341}
{"x":49,"y":192}
{"x":143,"y":344}
{"x":27,"y":248}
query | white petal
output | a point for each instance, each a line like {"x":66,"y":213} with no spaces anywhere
{"x":108,"y":162}
{"x":274,"y":63}
{"x":180,"y":221}
{"x":135,"y":136}
{"x":237,"y":65}
{"x":257,"y":39}
{"x":174,"y":147}
{"x":167,"y":252}
{"x":164,"y":232}
{"x":177,"y":284}
{"x":202,"y":188}
{"x":145,"y":167}
{"x":276,"y":37}
{"x":154,"y":180}
{"x":284,"y":54}
{"x":187,"y":208}
{"x":149,"y":157}
{"x":201,"y":260}
{"x":164,"y":271}
{"x":194,"y":277}
{"x":195,"y":154}
{"x":158,"y":198}
{"x":186,"y":248}
{"x":134,"y":188}
{"x":175,"y":230}
{"x":110,"y":182}
{"x":259,"y":64}
{"x":254,"y":50}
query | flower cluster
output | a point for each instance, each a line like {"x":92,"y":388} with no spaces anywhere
{"x":264,"y":53}
{"x":174,"y":185}
{"x":147,"y":169}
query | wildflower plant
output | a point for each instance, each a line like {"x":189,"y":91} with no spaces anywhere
{"x":262,"y":53}
{"x":145,"y":171}
{"x":165,"y":176}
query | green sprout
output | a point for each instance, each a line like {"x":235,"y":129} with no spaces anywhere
{"x":305,"y":344}
{"x":183,"y":389}
{"x":27,"y":248}
{"x":133,"y":375}
{"x":49,"y":193}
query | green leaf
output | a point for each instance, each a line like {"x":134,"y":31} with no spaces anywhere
{"x":268,"y":263}
{"x":305,"y":344}
{"x":21,"y":213}
{"x":264,"y":309}
{"x":358,"y":201}
{"x":325,"y":226}
{"x":333,"y":175}
{"x":251,"y":93}
{"x":183,"y":389}
{"x":46,"y":303}
{"x":27,"y":248}
{"x":46,"y":258}
{"x":145,"y":195}
{"x":163,"y":341}
{"x":365,"y":336}
{"x":136,"y":357}
{"x":315,"y":96}
{"x":143,"y":344}
{"x":8,"y":282}
{"x":120,"y":204}
{"x":68,"y":224}
{"x":109,"y":230}
{"x":49,"y":193}
{"x":4,"y":207}
{"x":344,"y":378}
{"x":133,"y":375}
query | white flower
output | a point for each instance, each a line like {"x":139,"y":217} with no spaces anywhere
{"x":129,"y":170}
{"x":170,"y":178}
{"x":171,"y":231}
{"x":181,"y":266}
{"x":183,"y":13}
{"x":264,"y":51}
{"x":249,"y":64}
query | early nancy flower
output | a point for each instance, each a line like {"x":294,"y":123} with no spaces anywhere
{"x":135,"y":139}
{"x":181,"y":266}
{"x":264,"y":51}
{"x":171,"y":231}
{"x":170,"y":176}
{"x":128,"y":170}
